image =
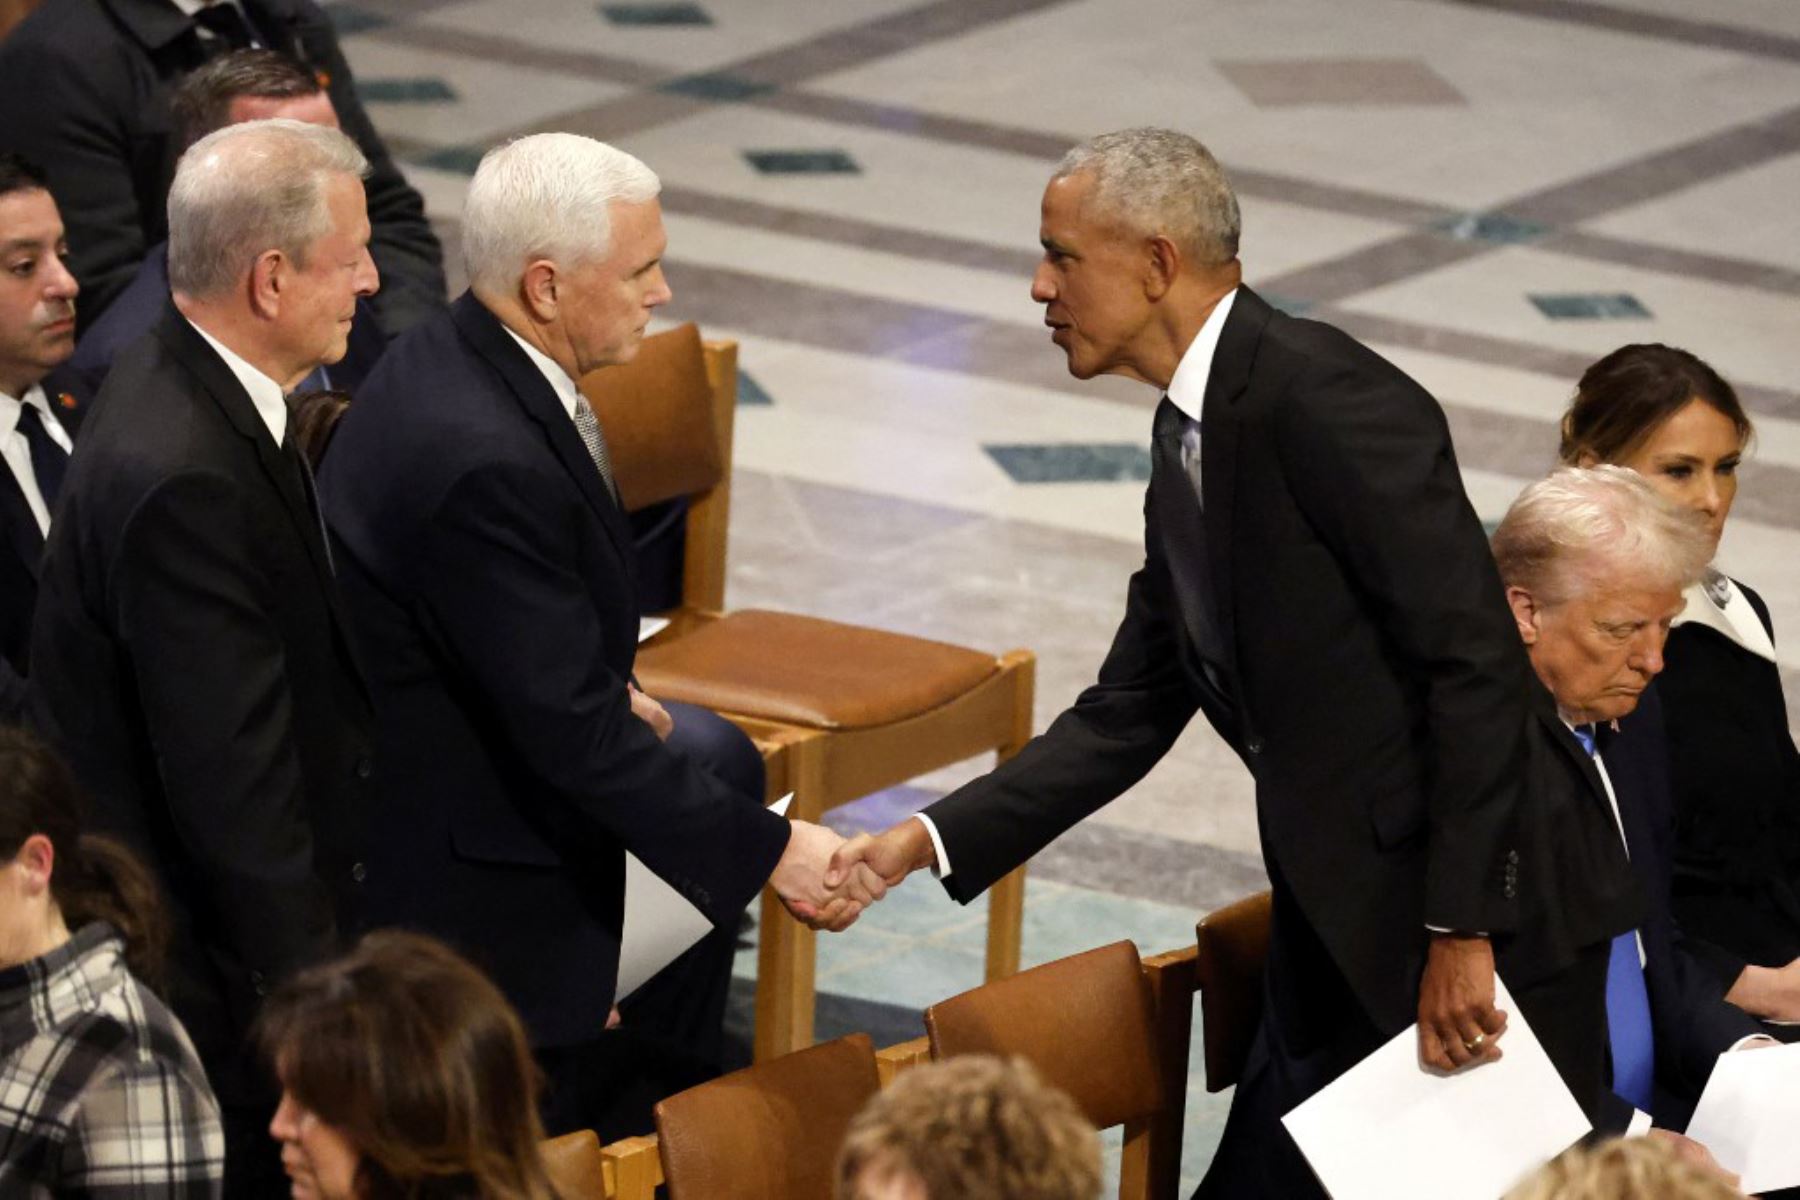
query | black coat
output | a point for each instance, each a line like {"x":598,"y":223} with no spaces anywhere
{"x":1737,"y":799}
{"x":1691,"y":1021}
{"x":1375,"y":685}
{"x":191,"y":662}
{"x":84,"y":92}
{"x":489,"y":573}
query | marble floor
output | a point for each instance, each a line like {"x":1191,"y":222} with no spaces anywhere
{"x":1490,"y":192}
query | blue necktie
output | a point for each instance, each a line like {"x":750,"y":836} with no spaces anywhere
{"x":48,"y":459}
{"x":1627,"y":1005}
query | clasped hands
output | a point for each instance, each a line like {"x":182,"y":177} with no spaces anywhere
{"x":827,"y":881}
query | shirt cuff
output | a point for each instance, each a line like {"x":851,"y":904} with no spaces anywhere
{"x":941,"y":867}
{"x":1640,"y":1124}
{"x":1755,"y":1037}
{"x":1472,"y":933}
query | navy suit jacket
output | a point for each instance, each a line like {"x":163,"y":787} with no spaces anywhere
{"x":489,"y":574}
{"x":1692,"y":1022}
{"x":21,"y":549}
{"x":137,"y":308}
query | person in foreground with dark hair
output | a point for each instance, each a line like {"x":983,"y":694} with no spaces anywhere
{"x":974,"y":1127}
{"x":101,"y":1093}
{"x":404,"y":1073}
{"x":1735,"y":770}
{"x":37,"y":415}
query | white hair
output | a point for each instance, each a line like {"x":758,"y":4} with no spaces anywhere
{"x":249,"y":188}
{"x":1155,"y":181}
{"x":550,"y":196}
{"x":1581,"y":527}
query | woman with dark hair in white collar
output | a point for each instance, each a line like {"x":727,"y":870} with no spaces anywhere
{"x":1735,"y":770}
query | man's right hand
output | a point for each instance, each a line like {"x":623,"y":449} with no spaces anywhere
{"x":892,"y":855}
{"x":800,"y":880}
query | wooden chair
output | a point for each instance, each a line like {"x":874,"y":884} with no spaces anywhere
{"x":1090,"y":1024}
{"x":881,"y":707}
{"x":1231,"y":947}
{"x":577,"y":1168}
{"x":770,"y":1131}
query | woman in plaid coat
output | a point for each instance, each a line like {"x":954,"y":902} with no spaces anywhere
{"x":101,"y":1094}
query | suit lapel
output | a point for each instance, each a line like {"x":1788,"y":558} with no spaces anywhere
{"x":541,"y":403}
{"x":192,"y":351}
{"x":1226,"y":384}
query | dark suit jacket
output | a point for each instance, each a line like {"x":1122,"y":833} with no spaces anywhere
{"x":1373,"y":681}
{"x":21,"y":548}
{"x":84,"y":91}
{"x":191,"y":662}
{"x":489,"y":573}
{"x":1692,"y":1022}
{"x":137,"y":308}
{"x":1736,"y":780}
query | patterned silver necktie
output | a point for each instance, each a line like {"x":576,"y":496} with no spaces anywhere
{"x":588,"y":426}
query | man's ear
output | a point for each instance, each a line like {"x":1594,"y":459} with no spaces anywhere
{"x":1162,"y":264}
{"x":1526,"y":611}
{"x":538,"y":290}
{"x":268,"y":280}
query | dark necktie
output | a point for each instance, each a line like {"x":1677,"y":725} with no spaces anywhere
{"x":1628,"y":1029}
{"x":303,"y":473}
{"x":48,"y":459}
{"x":227,"y":24}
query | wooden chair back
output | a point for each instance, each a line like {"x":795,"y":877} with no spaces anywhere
{"x":577,"y":1170}
{"x":770,"y":1131}
{"x":1232,"y":947}
{"x":668,"y":417}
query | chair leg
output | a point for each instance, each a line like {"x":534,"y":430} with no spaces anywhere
{"x":1006,"y":918}
{"x":784,"y":981}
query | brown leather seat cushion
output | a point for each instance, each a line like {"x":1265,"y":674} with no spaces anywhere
{"x":768,"y":1132}
{"x":1085,"y":1022}
{"x":807,"y":671}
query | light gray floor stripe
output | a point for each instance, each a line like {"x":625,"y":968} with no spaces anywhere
{"x":1189,"y":875}
{"x":1715,"y":268}
{"x":1664,"y":27}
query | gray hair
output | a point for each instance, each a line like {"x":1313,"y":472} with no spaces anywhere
{"x":1158,"y":181}
{"x":550,"y":196}
{"x":1565,"y":534}
{"x":250,"y":188}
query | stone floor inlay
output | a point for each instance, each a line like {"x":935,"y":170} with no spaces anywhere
{"x":1094,"y":463}
{"x":656,"y":14}
{"x":802,"y":162}
{"x":430,"y":90}
{"x":1591,"y":306}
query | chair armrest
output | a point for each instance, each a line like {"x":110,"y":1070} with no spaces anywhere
{"x":891,"y":1060}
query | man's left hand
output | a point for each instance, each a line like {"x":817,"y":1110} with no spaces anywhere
{"x":1458,"y":1023}
{"x":651,"y":713}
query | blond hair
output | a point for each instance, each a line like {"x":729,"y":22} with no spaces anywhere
{"x":1639,"y":1168}
{"x":971,"y":1127}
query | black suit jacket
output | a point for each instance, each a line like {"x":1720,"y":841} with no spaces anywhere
{"x":1736,"y":778}
{"x":1691,"y":1021}
{"x":84,"y":91}
{"x":490,"y":576}
{"x":137,"y":308}
{"x":1372,"y":679}
{"x":191,"y":662}
{"x":21,"y":550}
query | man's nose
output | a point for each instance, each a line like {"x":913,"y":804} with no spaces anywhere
{"x":1043,"y":290}
{"x":368,"y":279}
{"x":61,"y":284}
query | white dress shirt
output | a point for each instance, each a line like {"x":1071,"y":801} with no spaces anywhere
{"x":17,"y":451}
{"x":265,"y":393}
{"x":559,"y":380}
{"x":1187,"y":392}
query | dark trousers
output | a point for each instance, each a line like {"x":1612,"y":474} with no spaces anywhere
{"x":670,"y":1035}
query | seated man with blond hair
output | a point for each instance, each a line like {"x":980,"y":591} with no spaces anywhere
{"x":974,"y":1127}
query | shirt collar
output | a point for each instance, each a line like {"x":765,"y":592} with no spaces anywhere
{"x":265,"y":393}
{"x":10,"y":407}
{"x":190,"y":7}
{"x":1187,"y":390}
{"x":559,"y":380}
{"x":1722,"y":607}
{"x":47,"y":991}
